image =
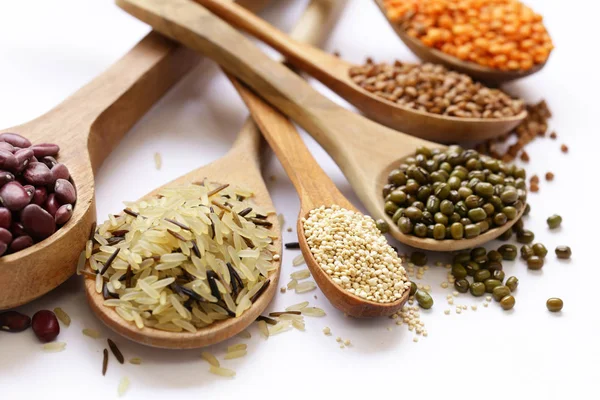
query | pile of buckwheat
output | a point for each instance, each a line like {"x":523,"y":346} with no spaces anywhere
{"x":350,"y":248}
{"x":434,"y":89}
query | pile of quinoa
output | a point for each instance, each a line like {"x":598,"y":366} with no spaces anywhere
{"x":354,"y":253}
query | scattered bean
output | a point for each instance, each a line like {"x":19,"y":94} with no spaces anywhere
{"x":554,"y":304}
{"x":45,"y":326}
{"x":563,"y":252}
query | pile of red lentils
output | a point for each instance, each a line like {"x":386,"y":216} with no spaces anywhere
{"x":499,"y":34}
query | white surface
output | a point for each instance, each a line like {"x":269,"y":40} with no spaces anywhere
{"x":50,"y":48}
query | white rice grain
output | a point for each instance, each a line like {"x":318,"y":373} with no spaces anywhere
{"x":313,"y":312}
{"x":305,"y":287}
{"x":123,"y":386}
{"x":298,"y":260}
{"x":299,"y":275}
{"x":54,"y":347}
{"x":297,"y":307}
{"x":211,"y":359}
{"x":226,"y":372}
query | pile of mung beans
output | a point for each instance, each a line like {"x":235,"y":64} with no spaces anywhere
{"x":36,"y":194}
{"x":434,"y":89}
{"x":453,"y":193}
{"x":499,"y":34}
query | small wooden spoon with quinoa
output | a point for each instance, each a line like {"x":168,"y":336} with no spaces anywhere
{"x":484,"y":74}
{"x":365,"y":151}
{"x":335,"y":73}
{"x":315,"y":189}
{"x":239,"y":167}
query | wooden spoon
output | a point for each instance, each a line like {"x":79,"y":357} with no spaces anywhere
{"x":315,"y":189}
{"x":484,"y":74}
{"x":239,"y":167}
{"x":334,"y":73}
{"x":365,"y":151}
{"x":87,"y":126}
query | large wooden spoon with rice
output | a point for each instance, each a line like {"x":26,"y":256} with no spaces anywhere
{"x":240,"y":167}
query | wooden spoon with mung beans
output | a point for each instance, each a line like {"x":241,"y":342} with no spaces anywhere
{"x":239,"y":167}
{"x":335,"y":73}
{"x":365,"y":151}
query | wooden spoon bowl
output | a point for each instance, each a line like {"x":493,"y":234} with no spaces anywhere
{"x":87,"y":126}
{"x":335,"y":74}
{"x":488,"y":75}
{"x":315,"y":189}
{"x":241,"y":168}
{"x":364,"y":150}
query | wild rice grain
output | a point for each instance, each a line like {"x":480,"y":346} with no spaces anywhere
{"x":116,"y":352}
{"x":104,"y":362}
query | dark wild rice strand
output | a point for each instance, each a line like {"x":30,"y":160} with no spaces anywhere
{"x":110,"y":261}
{"x":260,"y":291}
{"x":105,"y":362}
{"x":115,"y":350}
{"x":268,"y":320}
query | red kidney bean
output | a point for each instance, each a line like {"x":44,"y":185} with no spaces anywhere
{"x":3,"y":248}
{"x":38,"y":174}
{"x":40,"y":196}
{"x":17,"y":229}
{"x":45,"y":326}
{"x":13,"y":196}
{"x":6,"y":177}
{"x":5,"y":218}
{"x":45,"y":149}
{"x":20,"y":243}
{"x":65,"y":191}
{"x":7,"y":160}
{"x":60,"y":171}
{"x":15,"y":139}
{"x":23,"y":157}
{"x":49,"y":161}
{"x":7,"y":146}
{"x":37,"y":221}
{"x":12,"y":321}
{"x":63,"y":214}
{"x":5,"y":236}
{"x":52,"y":204}
{"x":30,"y":191}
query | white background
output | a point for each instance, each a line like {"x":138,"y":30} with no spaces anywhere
{"x":48,"y":49}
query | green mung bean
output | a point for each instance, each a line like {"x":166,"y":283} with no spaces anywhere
{"x":418,"y":258}
{"x":526,"y":252}
{"x":554,"y":221}
{"x":477,"y":289}
{"x":461,"y":285}
{"x":506,"y":235}
{"x":554,"y":304}
{"x":498,"y":275}
{"x":482,"y":275}
{"x":507,"y":303}
{"x":535,"y":262}
{"x":512,"y":283}
{"x":413,"y":288}
{"x":500,"y":292}
{"x":472,"y":267}
{"x":490,"y":284}
{"x":462,"y":258}
{"x":382,"y":226}
{"x":563,"y":252}
{"x":424,"y":299}
{"x":508,"y":252}
{"x":459,"y":271}
{"x":540,"y":250}
{"x":525,"y":236}
{"x":478,"y":254}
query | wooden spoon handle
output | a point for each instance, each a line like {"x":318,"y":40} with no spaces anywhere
{"x":195,"y":27}
{"x":314,"y":187}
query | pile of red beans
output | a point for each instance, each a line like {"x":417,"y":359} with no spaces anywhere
{"x":36,"y":193}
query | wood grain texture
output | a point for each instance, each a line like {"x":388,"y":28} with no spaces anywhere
{"x":334,"y":73}
{"x":239,"y":167}
{"x":87,"y":126}
{"x":488,"y":75}
{"x":315,"y":189}
{"x":364,"y":150}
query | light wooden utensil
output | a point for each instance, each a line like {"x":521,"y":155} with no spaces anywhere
{"x":87,"y":126}
{"x":334,"y":73}
{"x":479,"y":72}
{"x":365,"y":151}
{"x":315,"y":189}
{"x":239,"y":167}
